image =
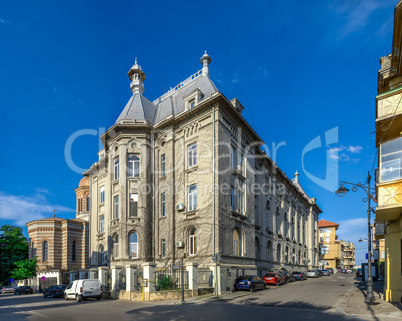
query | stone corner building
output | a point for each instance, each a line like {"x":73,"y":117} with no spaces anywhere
{"x":184,"y":176}
{"x":61,"y":245}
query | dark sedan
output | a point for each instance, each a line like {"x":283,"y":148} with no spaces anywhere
{"x":299,"y":276}
{"x":249,"y":282}
{"x":23,"y":290}
{"x":288,"y":277}
{"x":358,"y":272}
{"x":55,"y":291}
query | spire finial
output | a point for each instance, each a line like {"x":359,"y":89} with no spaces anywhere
{"x":296,"y":177}
{"x":137,"y":76}
{"x":135,"y":60}
{"x":205,"y":61}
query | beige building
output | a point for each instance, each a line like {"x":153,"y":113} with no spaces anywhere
{"x":184,"y":176}
{"x":61,"y":245}
{"x":348,"y":253}
{"x":330,"y":247}
{"x":388,"y":219}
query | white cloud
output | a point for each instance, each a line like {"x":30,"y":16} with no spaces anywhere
{"x":235,"y":79}
{"x":22,"y":209}
{"x":342,"y":153}
{"x":43,"y":191}
{"x":355,"y":149}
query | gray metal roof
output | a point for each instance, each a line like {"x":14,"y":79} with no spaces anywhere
{"x":139,"y":107}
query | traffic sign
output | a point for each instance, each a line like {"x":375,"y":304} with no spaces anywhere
{"x":12,"y":280}
{"x":43,"y":278}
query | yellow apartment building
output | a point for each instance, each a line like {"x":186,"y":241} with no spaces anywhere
{"x":389,"y":177}
{"x":330,"y":247}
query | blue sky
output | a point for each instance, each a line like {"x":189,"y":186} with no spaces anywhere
{"x":300,"y":68}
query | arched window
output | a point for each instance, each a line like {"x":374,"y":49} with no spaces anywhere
{"x":79,"y":204}
{"x":237,"y":250}
{"x":88,"y":203}
{"x":100,"y":254}
{"x":294,"y":256}
{"x":278,"y":225}
{"x":192,"y":241}
{"x":74,"y":251}
{"x":269,"y":251}
{"x":45,"y":251}
{"x":278,"y":253}
{"x":133,"y":246}
{"x":257,"y":248}
{"x":267,"y":209}
{"x":299,"y":257}
{"x":115,"y":241}
{"x":287,"y":255}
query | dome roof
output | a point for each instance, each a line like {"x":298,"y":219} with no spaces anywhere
{"x":84,"y":182}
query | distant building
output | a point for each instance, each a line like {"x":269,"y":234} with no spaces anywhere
{"x":348,"y":254}
{"x":330,"y":247}
{"x":175,"y":179}
{"x":61,"y":245}
{"x":388,"y":218}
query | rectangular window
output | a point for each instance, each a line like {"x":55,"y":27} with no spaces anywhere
{"x":116,"y":207}
{"x":116,"y":168}
{"x":163,"y":205}
{"x":233,"y":198}
{"x":101,"y":224}
{"x":240,"y":201}
{"x":193,"y":242}
{"x":240,"y":163}
{"x":326,"y":239}
{"x":192,"y":155}
{"x":233,"y":157}
{"x":133,"y":165}
{"x":163,"y":164}
{"x":324,"y":250}
{"x":321,"y":239}
{"x":192,"y":197}
{"x":391,"y":155}
{"x":163,"y":248}
{"x":133,"y":212}
{"x":191,"y":103}
{"x":102,"y":194}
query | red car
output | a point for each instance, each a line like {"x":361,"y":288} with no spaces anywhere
{"x":273,"y":278}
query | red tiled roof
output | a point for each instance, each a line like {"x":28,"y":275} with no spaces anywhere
{"x":324,"y":223}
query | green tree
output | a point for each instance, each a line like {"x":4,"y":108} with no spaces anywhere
{"x":25,"y":269}
{"x":13,"y":248}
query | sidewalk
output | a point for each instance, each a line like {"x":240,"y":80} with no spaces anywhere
{"x":355,"y":303}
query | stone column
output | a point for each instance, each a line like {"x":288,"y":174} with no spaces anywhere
{"x":73,"y":275}
{"x":103,"y":275}
{"x":92,"y":273}
{"x":115,"y":277}
{"x":192,"y":269}
{"x":216,"y":271}
{"x":82,"y":274}
{"x":131,"y":277}
{"x":149,"y":274}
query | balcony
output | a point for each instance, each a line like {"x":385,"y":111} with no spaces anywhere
{"x":389,"y":205}
{"x":379,"y":230}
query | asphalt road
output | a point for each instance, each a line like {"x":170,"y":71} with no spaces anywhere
{"x":314,"y":299}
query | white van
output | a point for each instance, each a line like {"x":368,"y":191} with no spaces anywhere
{"x":83,"y":289}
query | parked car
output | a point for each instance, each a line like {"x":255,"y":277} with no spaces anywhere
{"x":83,"y":289}
{"x":288,"y":277}
{"x":23,"y":290}
{"x":55,"y":291}
{"x":249,"y":282}
{"x":331,"y":270}
{"x":7,"y":289}
{"x":320,"y":272}
{"x":325,"y":272}
{"x":358,"y":272}
{"x":274,"y":278}
{"x":312,"y":274}
{"x":344,"y":271}
{"x":349,"y":271}
{"x":299,"y":276}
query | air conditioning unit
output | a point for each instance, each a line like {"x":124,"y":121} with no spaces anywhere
{"x":180,"y":245}
{"x":180,"y":207}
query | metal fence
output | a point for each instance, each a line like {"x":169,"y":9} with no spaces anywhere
{"x":205,"y":278}
{"x":170,"y":278}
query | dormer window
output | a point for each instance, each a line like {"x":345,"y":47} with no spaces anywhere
{"x":191,"y":103}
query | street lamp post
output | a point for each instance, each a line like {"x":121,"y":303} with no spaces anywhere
{"x":370,"y":196}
